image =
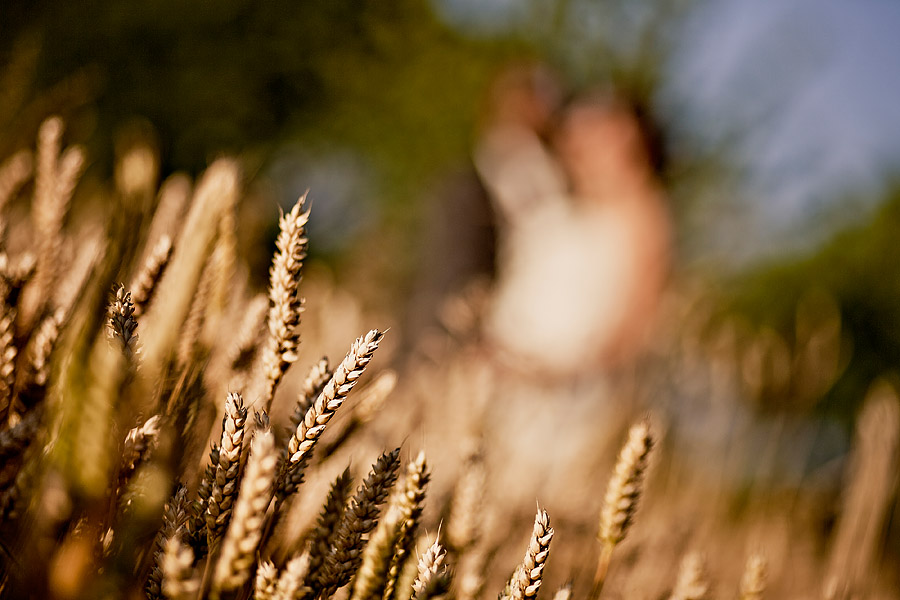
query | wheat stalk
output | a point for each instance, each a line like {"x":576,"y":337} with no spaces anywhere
{"x":329,"y":400}
{"x":8,"y":352}
{"x":240,"y":354}
{"x":870,"y":493}
{"x":197,"y":523}
{"x":56,"y":177}
{"x":14,"y":274}
{"x":358,"y":520}
{"x":14,"y":440}
{"x":433,"y":579}
{"x":469,"y":576}
{"x":192,"y":327}
{"x":121,"y":323}
{"x":178,"y":579}
{"x":319,"y":544}
{"x":227,"y":468}
{"x":466,"y":512}
{"x":626,"y":485}
{"x":290,"y":584}
{"x":139,"y":442}
{"x":143,"y":285}
{"x":312,"y":386}
{"x":172,"y":204}
{"x":753,"y":580}
{"x":691,"y":582}
{"x":622,"y":496}
{"x":33,"y":384}
{"x":136,"y":173}
{"x":216,"y":194}
{"x":175,"y":516}
{"x":564,"y":592}
{"x":14,"y":172}
{"x":393,"y":537}
{"x":245,"y":531}
{"x":408,"y":506}
{"x":266,"y":580}
{"x":371,"y":578}
{"x":285,"y":303}
{"x":527,"y":584}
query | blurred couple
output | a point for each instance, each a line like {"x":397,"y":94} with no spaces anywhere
{"x":584,"y":235}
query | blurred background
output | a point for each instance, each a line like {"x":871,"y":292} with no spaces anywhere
{"x":689,"y":204}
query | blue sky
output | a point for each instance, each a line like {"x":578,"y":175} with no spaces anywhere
{"x":816,"y":83}
{"x":830,"y":71}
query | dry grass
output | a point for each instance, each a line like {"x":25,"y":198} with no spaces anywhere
{"x":108,"y":403}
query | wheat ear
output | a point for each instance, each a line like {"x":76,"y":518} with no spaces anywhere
{"x":564,"y":592}
{"x":14,"y":172}
{"x":434,"y":578}
{"x":240,"y":354}
{"x":370,"y":399}
{"x":14,"y":275}
{"x":15,"y":499}
{"x":56,"y":177}
{"x":622,"y":496}
{"x":143,"y":285}
{"x":38,"y":355}
{"x":371,"y":578}
{"x":189,"y":337}
{"x":121,"y":324}
{"x":393,"y":537}
{"x":139,"y":442}
{"x":265,"y":581}
{"x":691,"y":582}
{"x":319,"y":544}
{"x":290,"y":584}
{"x":227,"y":469}
{"x":753,"y":581}
{"x":528,"y":583}
{"x":175,"y":515}
{"x":329,"y":400}
{"x":285,"y":303}
{"x":8,"y":352}
{"x":172,"y":204}
{"x":14,"y":440}
{"x":215,"y":194}
{"x":136,"y":173}
{"x":869,"y":494}
{"x":358,"y":520}
{"x":466,"y":511}
{"x":408,"y":507}
{"x":242,"y":539}
{"x":315,"y":381}
{"x":197,"y":522}
{"x":178,"y":579}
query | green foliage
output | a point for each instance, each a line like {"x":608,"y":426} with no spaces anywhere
{"x":385,"y":78}
{"x":858,"y":266}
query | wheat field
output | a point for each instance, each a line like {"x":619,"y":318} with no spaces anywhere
{"x":169,"y":432}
